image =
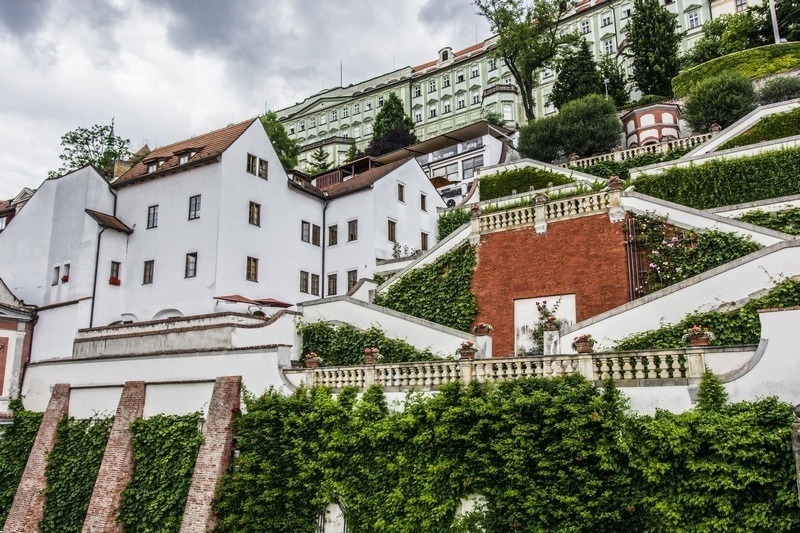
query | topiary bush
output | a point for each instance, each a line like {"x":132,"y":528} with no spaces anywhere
{"x":768,"y":128}
{"x":786,"y":220}
{"x":779,"y":89}
{"x":589,"y":126}
{"x":722,"y":99}
{"x":16,"y":441}
{"x":519,"y":180}
{"x":449,"y":221}
{"x":539,"y":139}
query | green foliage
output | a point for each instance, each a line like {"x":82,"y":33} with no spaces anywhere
{"x":319,"y":161}
{"x":753,"y":63}
{"x":440,"y":292}
{"x":539,"y":139}
{"x":164,"y":453}
{"x":723,"y":99}
{"x":16,"y":441}
{"x":391,"y":116}
{"x":606,"y":169}
{"x":727,"y":182}
{"x":725,"y":35}
{"x":654,"y":40}
{"x":494,"y":118}
{"x":286,"y":148}
{"x":521,"y":180}
{"x":547,"y":454}
{"x":577,"y":76}
{"x":589,"y":126}
{"x":96,"y":146}
{"x":768,"y":128}
{"x":711,"y":395}
{"x":344,"y":345}
{"x":779,"y":89}
{"x":646,"y":99}
{"x":71,"y":472}
{"x":731,"y":328}
{"x":786,"y":220}
{"x":788,"y":19}
{"x":613,"y":71}
{"x":450,"y":221}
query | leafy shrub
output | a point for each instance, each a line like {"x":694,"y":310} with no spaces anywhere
{"x":450,"y":221}
{"x":539,"y":139}
{"x":519,"y":180}
{"x":71,"y":472}
{"x":726,"y":35}
{"x":786,"y":220}
{"x":606,"y":169}
{"x":646,"y":99}
{"x":779,"y":89}
{"x":726,"y":182}
{"x":731,"y":328}
{"x":753,"y":63}
{"x":440,"y":292}
{"x":344,"y":344}
{"x":589,"y":126}
{"x":16,"y":441}
{"x":768,"y":128}
{"x":723,"y":99}
{"x":164,"y":453}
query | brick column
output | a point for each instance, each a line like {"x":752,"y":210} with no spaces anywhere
{"x":116,"y":469}
{"x":27,"y":509}
{"x":213,"y":457}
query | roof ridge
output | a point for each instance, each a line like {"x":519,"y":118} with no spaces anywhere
{"x":233,"y":125}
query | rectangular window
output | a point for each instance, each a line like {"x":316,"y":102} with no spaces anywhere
{"x":190,"y":269}
{"x":312,"y":122}
{"x":423,"y":202}
{"x":368,"y":128}
{"x":333,"y":235}
{"x":368,"y":105}
{"x":432,"y":86}
{"x":605,"y":20}
{"x":507,"y":112}
{"x":452,"y":172}
{"x":305,"y":231}
{"x":380,"y":101}
{"x":608,"y":46}
{"x":291,"y":129}
{"x":356,"y":108}
{"x":65,"y":273}
{"x":352,"y":230}
{"x":432,"y":112}
{"x":585,"y":28}
{"x":476,"y":97}
{"x":149,"y":270}
{"x":471,"y":165}
{"x":460,"y":76}
{"x":391,"y":231}
{"x":423,"y":241}
{"x":332,"y":289}
{"x":315,"y":235}
{"x":56,"y":275}
{"x":252,"y":161}
{"x":315,"y":284}
{"x":694,"y":19}
{"x":446,"y":107}
{"x":322,"y":120}
{"x":345,"y":112}
{"x":493,"y":64}
{"x":462,"y":103}
{"x":334,"y":115}
{"x":263,"y":165}
{"x":304,"y":281}
{"x":356,"y":131}
{"x":418,"y":116}
{"x":417,"y":90}
{"x":194,"y":207}
{"x":183,"y":159}
{"x":252,"y":269}
{"x":445,"y":81}
{"x":152,"y":217}
{"x":115,"y":268}
{"x":352,"y":279}
{"x":474,"y":73}
{"x":401,"y":192}
{"x":626,"y":11}
{"x":741,"y":5}
{"x":255,"y":214}
{"x":302,"y":125}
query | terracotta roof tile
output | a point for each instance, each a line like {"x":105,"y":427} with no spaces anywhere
{"x":109,"y":221}
{"x":364,"y":179}
{"x":456,"y":56}
{"x":208,"y":146}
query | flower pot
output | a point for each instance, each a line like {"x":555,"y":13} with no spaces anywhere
{"x":371,"y":358}
{"x":483,"y":331}
{"x":467,"y":353}
{"x":312,"y":363}
{"x":584,"y":347}
{"x":550,"y":326}
{"x":698,"y":340}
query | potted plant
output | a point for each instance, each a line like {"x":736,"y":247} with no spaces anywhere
{"x":467,"y":350}
{"x":482,"y":328}
{"x":114,"y":280}
{"x":551,"y":323}
{"x":65,"y":278}
{"x":372,"y":356}
{"x":698,"y":336}
{"x":583,"y":343}
{"x":312,"y":360}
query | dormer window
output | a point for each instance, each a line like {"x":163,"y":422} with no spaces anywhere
{"x":445,"y":55}
{"x":183,"y":159}
{"x":152,"y":167}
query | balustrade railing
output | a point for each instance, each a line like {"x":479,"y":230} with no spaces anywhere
{"x":660,"y":148}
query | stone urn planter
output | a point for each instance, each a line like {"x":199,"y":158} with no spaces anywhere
{"x":467,"y":353}
{"x":584,"y":347}
{"x":697,"y":336}
{"x":482,"y":329}
{"x":698,"y":340}
{"x":312,"y":360}
{"x":371,"y":356}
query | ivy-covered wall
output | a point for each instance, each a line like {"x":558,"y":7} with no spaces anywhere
{"x":547,"y":454}
{"x":786,"y":220}
{"x":16,"y":441}
{"x":452,"y":220}
{"x":519,"y":180}
{"x":768,"y":128}
{"x":164,"y":452}
{"x":440,"y":292}
{"x":71,"y":472}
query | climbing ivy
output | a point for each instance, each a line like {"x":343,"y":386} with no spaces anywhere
{"x":164,"y":453}
{"x":519,"y":180}
{"x":16,"y":441}
{"x":553,"y":454}
{"x":344,"y":345}
{"x":786,"y":220}
{"x":451,"y":221}
{"x":440,"y":292}
{"x":737,"y":327}
{"x":71,"y":472}
{"x":768,"y":128}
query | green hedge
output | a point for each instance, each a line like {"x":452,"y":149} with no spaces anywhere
{"x":520,"y":180}
{"x":548,"y":454}
{"x":786,"y":220}
{"x":71,"y":472}
{"x":16,"y":441}
{"x":164,"y":453}
{"x":606,"y":169}
{"x":729,"y":181}
{"x":440,"y":292}
{"x":452,"y":220}
{"x":731,"y":328}
{"x":767,"y":129}
{"x":754,"y":63}
{"x":344,"y":345}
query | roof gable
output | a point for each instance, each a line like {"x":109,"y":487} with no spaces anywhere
{"x":364,"y":179}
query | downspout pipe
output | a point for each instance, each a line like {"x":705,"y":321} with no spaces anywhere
{"x":94,"y":283}
{"x":324,"y":246}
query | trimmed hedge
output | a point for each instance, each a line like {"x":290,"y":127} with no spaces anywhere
{"x":16,"y":442}
{"x":786,"y":220}
{"x":520,"y":180}
{"x":754,"y":63}
{"x":452,"y":220}
{"x":606,"y":169}
{"x":727,"y":181}
{"x":767,"y":129}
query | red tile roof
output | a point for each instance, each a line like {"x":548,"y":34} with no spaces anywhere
{"x":363,"y":180}
{"x":109,"y":221}
{"x":456,"y":56}
{"x":208,"y":146}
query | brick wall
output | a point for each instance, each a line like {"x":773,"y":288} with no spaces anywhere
{"x":28,"y":507}
{"x":214,"y":455}
{"x":116,"y":469}
{"x":584,"y":256}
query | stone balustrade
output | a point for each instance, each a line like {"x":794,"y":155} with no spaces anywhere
{"x":656,"y":367}
{"x":660,"y":148}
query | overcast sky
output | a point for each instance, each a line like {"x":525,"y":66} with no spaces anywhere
{"x":170,"y":69}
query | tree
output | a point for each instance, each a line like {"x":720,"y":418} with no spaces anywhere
{"x":788,"y":12}
{"x":97,"y":146}
{"x":286,"y":148}
{"x":725,"y":35}
{"x":617,"y":85}
{"x":589,"y":126}
{"x":779,"y":89}
{"x":393,"y":128}
{"x":577,"y":76}
{"x":539,"y":139}
{"x":723,"y":99}
{"x":493,"y":117}
{"x":711,"y":395}
{"x":319,"y":160}
{"x":530,"y":36}
{"x":353,"y":153}
{"x":654,"y":41}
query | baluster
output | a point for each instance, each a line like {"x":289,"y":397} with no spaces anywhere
{"x":616,"y":370}
{"x":604,"y":368}
{"x":652,"y":371}
{"x":639,"y":367}
{"x":676,"y":366}
{"x":627,"y":369}
{"x":663,"y":367}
